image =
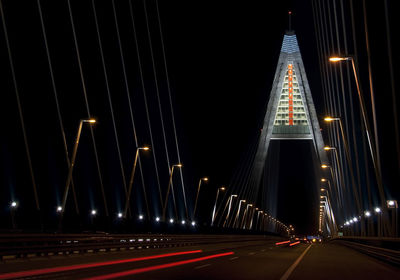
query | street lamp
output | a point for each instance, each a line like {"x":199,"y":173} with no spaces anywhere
{"x":179,"y":165}
{"x":71,"y":167}
{"x":13,"y":208}
{"x":367,"y":214}
{"x":238,"y":212}
{"x":93,"y":212}
{"x":229,"y":209}
{"x":59,"y":209}
{"x":245,"y":214}
{"x":391,"y":204}
{"x":215,"y":205}
{"x":205,"y":179}
{"x":336,"y":59}
{"x":324,"y":166}
{"x":331,"y":119}
{"x":128,"y":194}
{"x":372,"y":147}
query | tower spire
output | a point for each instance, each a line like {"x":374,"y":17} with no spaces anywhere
{"x":290,"y":20}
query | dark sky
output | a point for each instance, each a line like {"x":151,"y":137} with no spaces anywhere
{"x":221,"y":58}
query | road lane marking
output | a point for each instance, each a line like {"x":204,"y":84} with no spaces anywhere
{"x":156,"y":267}
{"x":263,"y":250}
{"x":202,"y":266}
{"x":234,"y":258}
{"x":252,"y":253}
{"x":295,"y":264}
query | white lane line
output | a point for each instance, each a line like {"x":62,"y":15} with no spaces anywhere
{"x":263,"y":250}
{"x":252,"y":253}
{"x":295,"y":264}
{"x":234,"y":258}
{"x":202,"y":266}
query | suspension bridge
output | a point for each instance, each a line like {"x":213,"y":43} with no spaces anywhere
{"x":98,"y":173}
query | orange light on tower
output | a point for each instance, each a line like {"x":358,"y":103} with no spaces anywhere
{"x":290,"y":89}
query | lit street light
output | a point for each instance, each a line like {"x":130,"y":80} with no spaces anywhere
{"x":179,"y":165}
{"x":128,"y":194}
{"x":336,"y":59}
{"x":238,"y":213}
{"x":331,"y":119}
{"x":13,"y":208}
{"x":373,"y":145}
{"x":205,"y":179}
{"x":215,"y":205}
{"x":71,"y":168}
{"x":229,"y":209}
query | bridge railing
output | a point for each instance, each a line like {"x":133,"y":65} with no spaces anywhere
{"x":384,"y":249}
{"x":28,"y":245}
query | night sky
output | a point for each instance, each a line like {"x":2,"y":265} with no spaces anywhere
{"x":221,"y":58}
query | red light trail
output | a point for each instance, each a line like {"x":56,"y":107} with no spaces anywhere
{"x":41,"y":271}
{"x":156,"y":267}
{"x":283,"y":242}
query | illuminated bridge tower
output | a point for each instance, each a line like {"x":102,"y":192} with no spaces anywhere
{"x":290,"y":113}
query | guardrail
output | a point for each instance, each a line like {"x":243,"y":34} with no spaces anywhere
{"x":33,"y":245}
{"x":366,"y":245}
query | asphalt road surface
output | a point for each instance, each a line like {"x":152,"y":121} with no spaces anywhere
{"x":233,"y":260}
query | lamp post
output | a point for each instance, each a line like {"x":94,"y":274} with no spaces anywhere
{"x":373,"y":147}
{"x":238,"y":213}
{"x":229,"y":209}
{"x":362,"y":103}
{"x":378,"y":212}
{"x":339,"y":167}
{"x":205,"y":179}
{"x":71,"y":168}
{"x":13,"y":208}
{"x":350,"y":165}
{"x":258,"y":217}
{"x":392,"y":205}
{"x":128,"y":194}
{"x":179,"y":165}
{"x":215,"y":205}
{"x":245,"y":214}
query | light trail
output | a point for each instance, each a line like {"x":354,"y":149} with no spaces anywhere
{"x":41,"y":271}
{"x":283,"y":242}
{"x":295,"y":243}
{"x":156,"y":267}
